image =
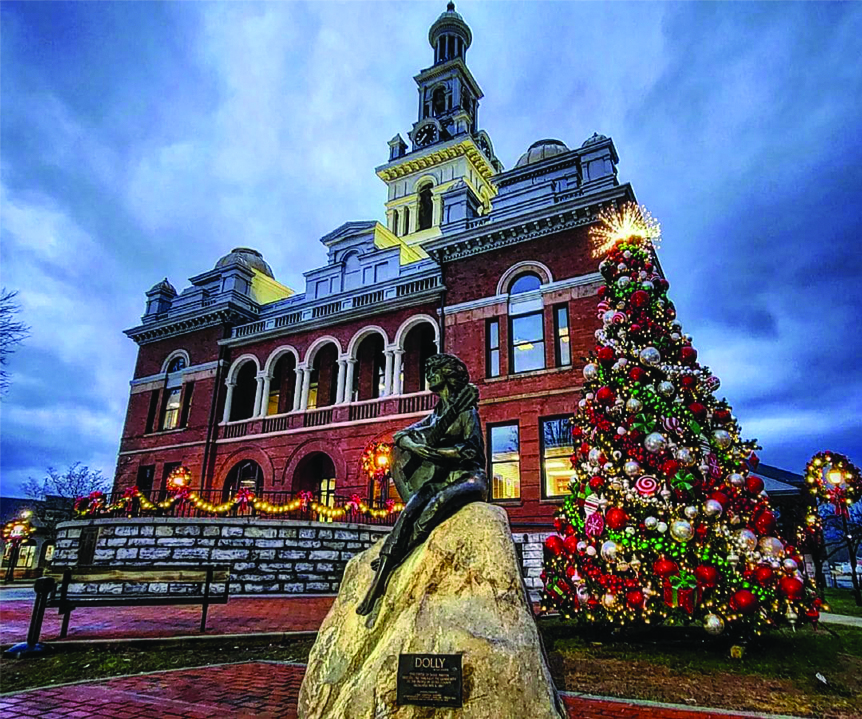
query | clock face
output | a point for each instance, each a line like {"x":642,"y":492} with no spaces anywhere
{"x":426,"y":135}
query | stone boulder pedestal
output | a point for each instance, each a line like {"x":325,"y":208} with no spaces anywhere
{"x":461,"y":592}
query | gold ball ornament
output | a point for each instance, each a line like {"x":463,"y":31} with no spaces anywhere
{"x":681,"y":530}
{"x":713,"y":624}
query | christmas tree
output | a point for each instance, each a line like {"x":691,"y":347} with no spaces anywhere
{"x":665,"y":521}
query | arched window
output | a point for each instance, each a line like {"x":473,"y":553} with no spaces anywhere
{"x":406,"y":221}
{"x":419,"y":345}
{"x":526,"y":325}
{"x":315,"y":473}
{"x":176,"y":364}
{"x":438,"y":101}
{"x":282,"y":384}
{"x":426,"y":208}
{"x":242,"y":404}
{"x":323,"y":384}
{"x":352,"y":271}
{"x":245,"y":474}
{"x":369,"y":377}
{"x":527,"y":282}
{"x":396,"y":230}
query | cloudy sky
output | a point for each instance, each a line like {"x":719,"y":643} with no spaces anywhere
{"x":141,"y":140}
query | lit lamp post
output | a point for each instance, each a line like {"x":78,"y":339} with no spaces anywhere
{"x":14,"y":533}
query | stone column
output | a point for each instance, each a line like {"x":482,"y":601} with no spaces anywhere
{"x":390,"y":221}
{"x":387,"y":373}
{"x":414,"y":217}
{"x":348,"y":382}
{"x":228,"y":400}
{"x":263,"y":408}
{"x":258,"y":391}
{"x":297,"y":389}
{"x":396,"y":370}
{"x":436,"y":210}
{"x":306,"y":382}
{"x":342,"y":375}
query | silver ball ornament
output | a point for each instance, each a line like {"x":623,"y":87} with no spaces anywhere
{"x":608,"y":316}
{"x":711,"y":508}
{"x":721,"y":438}
{"x":594,"y":456}
{"x":591,"y":551}
{"x":611,"y":550}
{"x":634,"y":405}
{"x":713,"y":624}
{"x":771,"y":547}
{"x":624,"y":281}
{"x":650,"y":522}
{"x":690,"y":512}
{"x":648,"y":286}
{"x":591,"y":372}
{"x":685,"y":456}
{"x":650,"y":356}
{"x":609,"y":600}
{"x":632,"y":468}
{"x":736,"y":479}
{"x":746,"y":539}
{"x":655,"y":442}
{"x":681,"y":530}
{"x":661,"y":527}
{"x":789,"y":565}
{"x":666,"y":389}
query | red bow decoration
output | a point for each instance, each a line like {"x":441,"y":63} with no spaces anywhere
{"x":390,"y":504}
{"x":130,"y":493}
{"x":305,"y":497}
{"x":354,"y":503}
{"x":243,"y":497}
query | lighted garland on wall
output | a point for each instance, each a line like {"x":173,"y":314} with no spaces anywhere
{"x":665,"y":520}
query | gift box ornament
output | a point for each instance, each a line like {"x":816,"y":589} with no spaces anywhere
{"x":681,"y":591}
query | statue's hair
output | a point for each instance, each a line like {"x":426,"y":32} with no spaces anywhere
{"x":454,"y":369}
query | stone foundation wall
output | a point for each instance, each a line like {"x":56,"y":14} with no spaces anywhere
{"x":265,"y":555}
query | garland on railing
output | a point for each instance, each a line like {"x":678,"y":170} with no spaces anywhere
{"x":95,"y":504}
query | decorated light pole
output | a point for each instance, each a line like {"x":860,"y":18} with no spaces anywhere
{"x":14,"y":533}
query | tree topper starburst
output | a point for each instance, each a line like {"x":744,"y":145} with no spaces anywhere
{"x":631,"y":222}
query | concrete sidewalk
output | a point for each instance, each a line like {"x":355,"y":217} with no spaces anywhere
{"x":266,"y":690}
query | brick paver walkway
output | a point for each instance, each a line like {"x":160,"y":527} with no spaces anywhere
{"x":256,"y":689}
{"x":241,"y":615}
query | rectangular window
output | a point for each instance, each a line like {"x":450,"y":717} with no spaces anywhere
{"x":562,"y":346}
{"x":492,"y":348}
{"x":171,"y":416}
{"x":188,"y":391}
{"x":151,"y":413}
{"x":146,"y":475}
{"x":527,"y":342}
{"x":505,"y":460}
{"x":557,"y":449}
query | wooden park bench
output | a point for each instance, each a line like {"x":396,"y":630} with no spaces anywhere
{"x":203,"y":576}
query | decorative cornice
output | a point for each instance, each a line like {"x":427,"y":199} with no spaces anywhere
{"x":466,"y":148}
{"x":488,"y":235}
{"x":147,"y":333}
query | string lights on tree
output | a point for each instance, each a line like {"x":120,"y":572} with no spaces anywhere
{"x":665,"y":520}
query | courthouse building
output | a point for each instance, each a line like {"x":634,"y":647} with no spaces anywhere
{"x":249,"y":383}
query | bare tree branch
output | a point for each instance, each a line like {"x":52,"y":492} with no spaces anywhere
{"x":12,"y":333}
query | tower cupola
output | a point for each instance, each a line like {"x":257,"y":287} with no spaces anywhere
{"x":450,"y":36}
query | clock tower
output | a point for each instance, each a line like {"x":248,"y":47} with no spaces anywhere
{"x":446,"y":145}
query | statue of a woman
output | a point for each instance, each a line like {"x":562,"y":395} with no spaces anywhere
{"x":438,"y":467}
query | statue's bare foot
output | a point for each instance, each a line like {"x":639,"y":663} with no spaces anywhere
{"x":366,"y":607}
{"x":375,"y":564}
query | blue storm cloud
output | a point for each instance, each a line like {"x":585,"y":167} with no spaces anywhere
{"x":146,"y":139}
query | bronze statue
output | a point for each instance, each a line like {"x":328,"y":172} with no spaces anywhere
{"x":438,"y":467}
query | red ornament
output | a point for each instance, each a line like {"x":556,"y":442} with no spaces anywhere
{"x":596,"y":482}
{"x":764,"y":575}
{"x":616,"y":518}
{"x":559,"y":523}
{"x":698,"y":410}
{"x":639,"y":298}
{"x":605,"y":395}
{"x":661,"y":284}
{"x":688,"y":355}
{"x":602,"y":290}
{"x":571,"y":544}
{"x":555,"y":544}
{"x":790,"y":587}
{"x":722,"y":416}
{"x":585,"y":448}
{"x":635,"y":329}
{"x":670,"y":468}
{"x":687,"y":381}
{"x":637,"y":374}
{"x":743,"y":601}
{"x":577,"y":432}
{"x":706,"y":575}
{"x":664,"y":567}
{"x":605,"y":354}
{"x":764,"y":523}
{"x":571,"y":571}
{"x":635,"y":598}
{"x":754,"y":484}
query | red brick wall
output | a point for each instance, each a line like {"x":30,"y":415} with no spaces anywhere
{"x":201,"y":345}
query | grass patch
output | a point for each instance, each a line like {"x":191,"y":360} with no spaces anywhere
{"x":776,"y":675}
{"x":107,"y":661}
{"x":841,"y":601}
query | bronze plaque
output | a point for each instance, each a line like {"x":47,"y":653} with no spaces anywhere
{"x":429,"y":680}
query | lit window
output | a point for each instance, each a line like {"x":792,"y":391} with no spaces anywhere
{"x":527,"y":342}
{"x":557,"y":449}
{"x":171,"y":416}
{"x":562,"y":345}
{"x":505,"y":461}
{"x":492,"y":340}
